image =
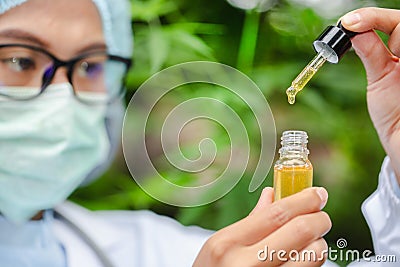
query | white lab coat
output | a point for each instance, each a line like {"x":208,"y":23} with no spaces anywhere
{"x":144,"y":239}
{"x":129,"y":238}
{"x":382,"y":212}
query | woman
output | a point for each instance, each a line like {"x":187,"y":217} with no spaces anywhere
{"x":61,"y":66}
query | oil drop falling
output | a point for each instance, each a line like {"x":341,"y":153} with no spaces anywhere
{"x":291,"y":94}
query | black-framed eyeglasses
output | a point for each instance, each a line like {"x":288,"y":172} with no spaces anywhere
{"x":26,"y":71}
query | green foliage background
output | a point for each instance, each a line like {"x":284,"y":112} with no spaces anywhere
{"x":271,"y":47}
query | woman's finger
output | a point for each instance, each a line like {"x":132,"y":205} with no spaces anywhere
{"x":293,"y":237}
{"x":313,"y":255}
{"x":377,"y":59}
{"x":262,"y":223}
{"x":394,"y":41}
{"x":371,"y":18}
{"x":266,"y":198}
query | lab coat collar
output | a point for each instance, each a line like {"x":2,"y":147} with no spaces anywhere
{"x":102,"y":233}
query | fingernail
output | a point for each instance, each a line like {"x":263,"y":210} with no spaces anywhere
{"x":351,"y":19}
{"x":323,"y":194}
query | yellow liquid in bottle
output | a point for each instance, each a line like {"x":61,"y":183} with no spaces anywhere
{"x":289,"y":180}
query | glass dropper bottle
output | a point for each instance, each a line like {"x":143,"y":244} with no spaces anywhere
{"x":330,"y":46}
{"x":293,"y":171}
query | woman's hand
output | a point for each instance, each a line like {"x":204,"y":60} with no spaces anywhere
{"x":383,"y":72}
{"x":291,"y":225}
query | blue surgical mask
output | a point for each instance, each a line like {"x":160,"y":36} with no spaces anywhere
{"x":48,"y":145}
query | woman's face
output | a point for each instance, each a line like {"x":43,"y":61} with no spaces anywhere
{"x":65,"y":28}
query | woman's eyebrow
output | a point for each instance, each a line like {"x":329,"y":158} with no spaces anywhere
{"x":26,"y":36}
{"x":23,"y":36}
{"x":94,"y":46}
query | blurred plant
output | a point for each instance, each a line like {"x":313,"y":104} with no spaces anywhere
{"x":164,"y":37}
{"x":256,"y":5}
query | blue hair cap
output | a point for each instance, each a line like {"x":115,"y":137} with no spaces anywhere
{"x":8,"y":4}
{"x":118,"y":33}
{"x":114,"y":15}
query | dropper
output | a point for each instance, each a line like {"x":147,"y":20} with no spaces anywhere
{"x":330,"y":46}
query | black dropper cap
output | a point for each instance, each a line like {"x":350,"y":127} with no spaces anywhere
{"x":336,"y":40}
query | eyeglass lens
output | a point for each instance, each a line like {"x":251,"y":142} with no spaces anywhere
{"x":23,"y":72}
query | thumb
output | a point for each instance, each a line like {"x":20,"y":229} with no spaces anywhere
{"x":375,"y":56}
{"x":266,"y":198}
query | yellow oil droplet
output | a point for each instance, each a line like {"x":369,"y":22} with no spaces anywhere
{"x":291,"y":94}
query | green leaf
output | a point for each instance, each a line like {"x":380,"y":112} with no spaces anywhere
{"x":150,"y":10}
{"x":159,"y":48}
{"x":191,"y":42}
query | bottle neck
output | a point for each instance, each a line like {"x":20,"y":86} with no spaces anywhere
{"x":294,"y":151}
{"x":294,"y":145}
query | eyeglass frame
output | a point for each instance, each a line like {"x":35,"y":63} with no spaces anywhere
{"x":69,"y":64}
